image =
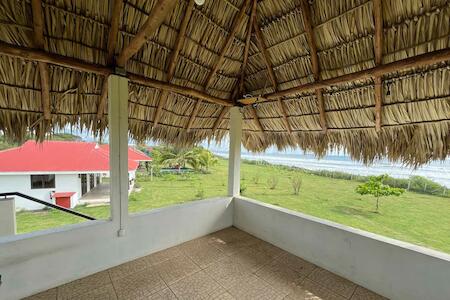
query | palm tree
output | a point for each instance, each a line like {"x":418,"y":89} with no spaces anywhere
{"x":177,"y":158}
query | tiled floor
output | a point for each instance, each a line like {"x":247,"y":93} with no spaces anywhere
{"x":228,"y":264}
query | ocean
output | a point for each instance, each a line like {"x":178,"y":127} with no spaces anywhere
{"x":436,"y":171}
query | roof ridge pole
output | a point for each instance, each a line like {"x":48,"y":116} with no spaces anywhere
{"x":38,"y":28}
{"x":229,"y":40}
{"x":118,"y":154}
{"x":173,"y":60}
{"x":265,"y":54}
{"x":378,"y":50}
{"x":309,"y":30}
{"x":234,"y":154}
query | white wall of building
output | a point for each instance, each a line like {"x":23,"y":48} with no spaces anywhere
{"x":22,"y":183}
{"x":37,"y":261}
{"x":394,"y":269}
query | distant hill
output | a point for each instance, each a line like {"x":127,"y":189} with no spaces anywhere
{"x":6,"y":144}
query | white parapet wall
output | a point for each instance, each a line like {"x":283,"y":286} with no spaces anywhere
{"x":34,"y":262}
{"x":389,"y":267}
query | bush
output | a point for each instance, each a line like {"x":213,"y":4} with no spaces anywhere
{"x":296,"y":182}
{"x":272,"y":181}
{"x":137,"y":185}
{"x":200,"y":194}
{"x":242,"y":189}
{"x":256,"y":179}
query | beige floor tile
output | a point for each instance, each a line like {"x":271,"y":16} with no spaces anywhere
{"x":251,"y":258}
{"x":296,"y":263}
{"x":105,"y":292}
{"x":176,"y":268}
{"x":333,"y":282}
{"x":198,"y":286}
{"x":83,"y":285}
{"x":227,"y":272}
{"x":163,"y":255}
{"x":280,"y":276}
{"x":253,"y":287}
{"x":139,"y":285}
{"x":46,"y":295}
{"x":203,"y":255}
{"x":309,"y":290}
{"x":165,"y":294}
{"x":269,"y":249}
{"x":128,"y":268}
{"x":364,"y":294}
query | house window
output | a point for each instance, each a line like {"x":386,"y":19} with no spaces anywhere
{"x":46,"y":181}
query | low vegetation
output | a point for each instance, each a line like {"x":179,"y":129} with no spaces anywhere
{"x":417,"y":218}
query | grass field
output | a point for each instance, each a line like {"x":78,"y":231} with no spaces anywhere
{"x":416,"y":218}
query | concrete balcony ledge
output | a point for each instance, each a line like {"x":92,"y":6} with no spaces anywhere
{"x":393,"y":269}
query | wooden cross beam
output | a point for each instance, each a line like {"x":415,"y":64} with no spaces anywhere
{"x":265,"y":54}
{"x":234,"y":29}
{"x":173,"y":60}
{"x":309,"y":31}
{"x":112,"y":41}
{"x":38,"y":28}
{"x":219,"y":118}
{"x":159,"y":12}
{"x":378,"y":49}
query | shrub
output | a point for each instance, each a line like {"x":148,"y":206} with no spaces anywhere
{"x":296,"y":182}
{"x":256,"y":178}
{"x":242,"y":189}
{"x":272,"y":181}
{"x":200,"y":194}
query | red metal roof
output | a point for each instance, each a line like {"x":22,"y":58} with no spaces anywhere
{"x":60,"y":156}
{"x":63,"y":194}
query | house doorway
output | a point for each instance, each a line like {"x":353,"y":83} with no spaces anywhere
{"x":83,"y":184}
{"x":91,"y":181}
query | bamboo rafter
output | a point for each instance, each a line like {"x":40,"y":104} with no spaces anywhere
{"x":173,"y":60}
{"x":234,"y":28}
{"x":38,"y":25}
{"x":265,"y":54}
{"x":307,"y":24}
{"x":378,"y":49}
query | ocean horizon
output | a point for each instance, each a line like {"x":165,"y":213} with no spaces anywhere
{"x":437,"y":171}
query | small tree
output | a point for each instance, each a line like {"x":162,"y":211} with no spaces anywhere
{"x":272,"y":181}
{"x":296,"y":182}
{"x":375,"y":187}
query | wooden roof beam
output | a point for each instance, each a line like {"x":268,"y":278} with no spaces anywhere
{"x":157,"y":15}
{"x":38,"y":28}
{"x":219,"y":118}
{"x":116,"y":13}
{"x":234,"y":28}
{"x":378,"y":50}
{"x":417,"y":61}
{"x":173,"y":60}
{"x":309,"y":31}
{"x":265,"y":54}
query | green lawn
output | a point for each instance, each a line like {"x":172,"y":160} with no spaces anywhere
{"x":416,"y":218}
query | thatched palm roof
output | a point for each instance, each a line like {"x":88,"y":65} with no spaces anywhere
{"x":372,"y":77}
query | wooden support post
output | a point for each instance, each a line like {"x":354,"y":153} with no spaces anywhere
{"x":118,"y":154}
{"x":234,"y":159}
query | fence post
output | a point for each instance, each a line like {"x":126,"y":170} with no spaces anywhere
{"x":7,"y":217}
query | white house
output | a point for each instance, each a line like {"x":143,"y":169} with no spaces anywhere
{"x":57,"y":171}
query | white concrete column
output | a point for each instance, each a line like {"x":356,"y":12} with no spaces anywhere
{"x":234,"y":158}
{"x":7,"y":217}
{"x":118,"y":153}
